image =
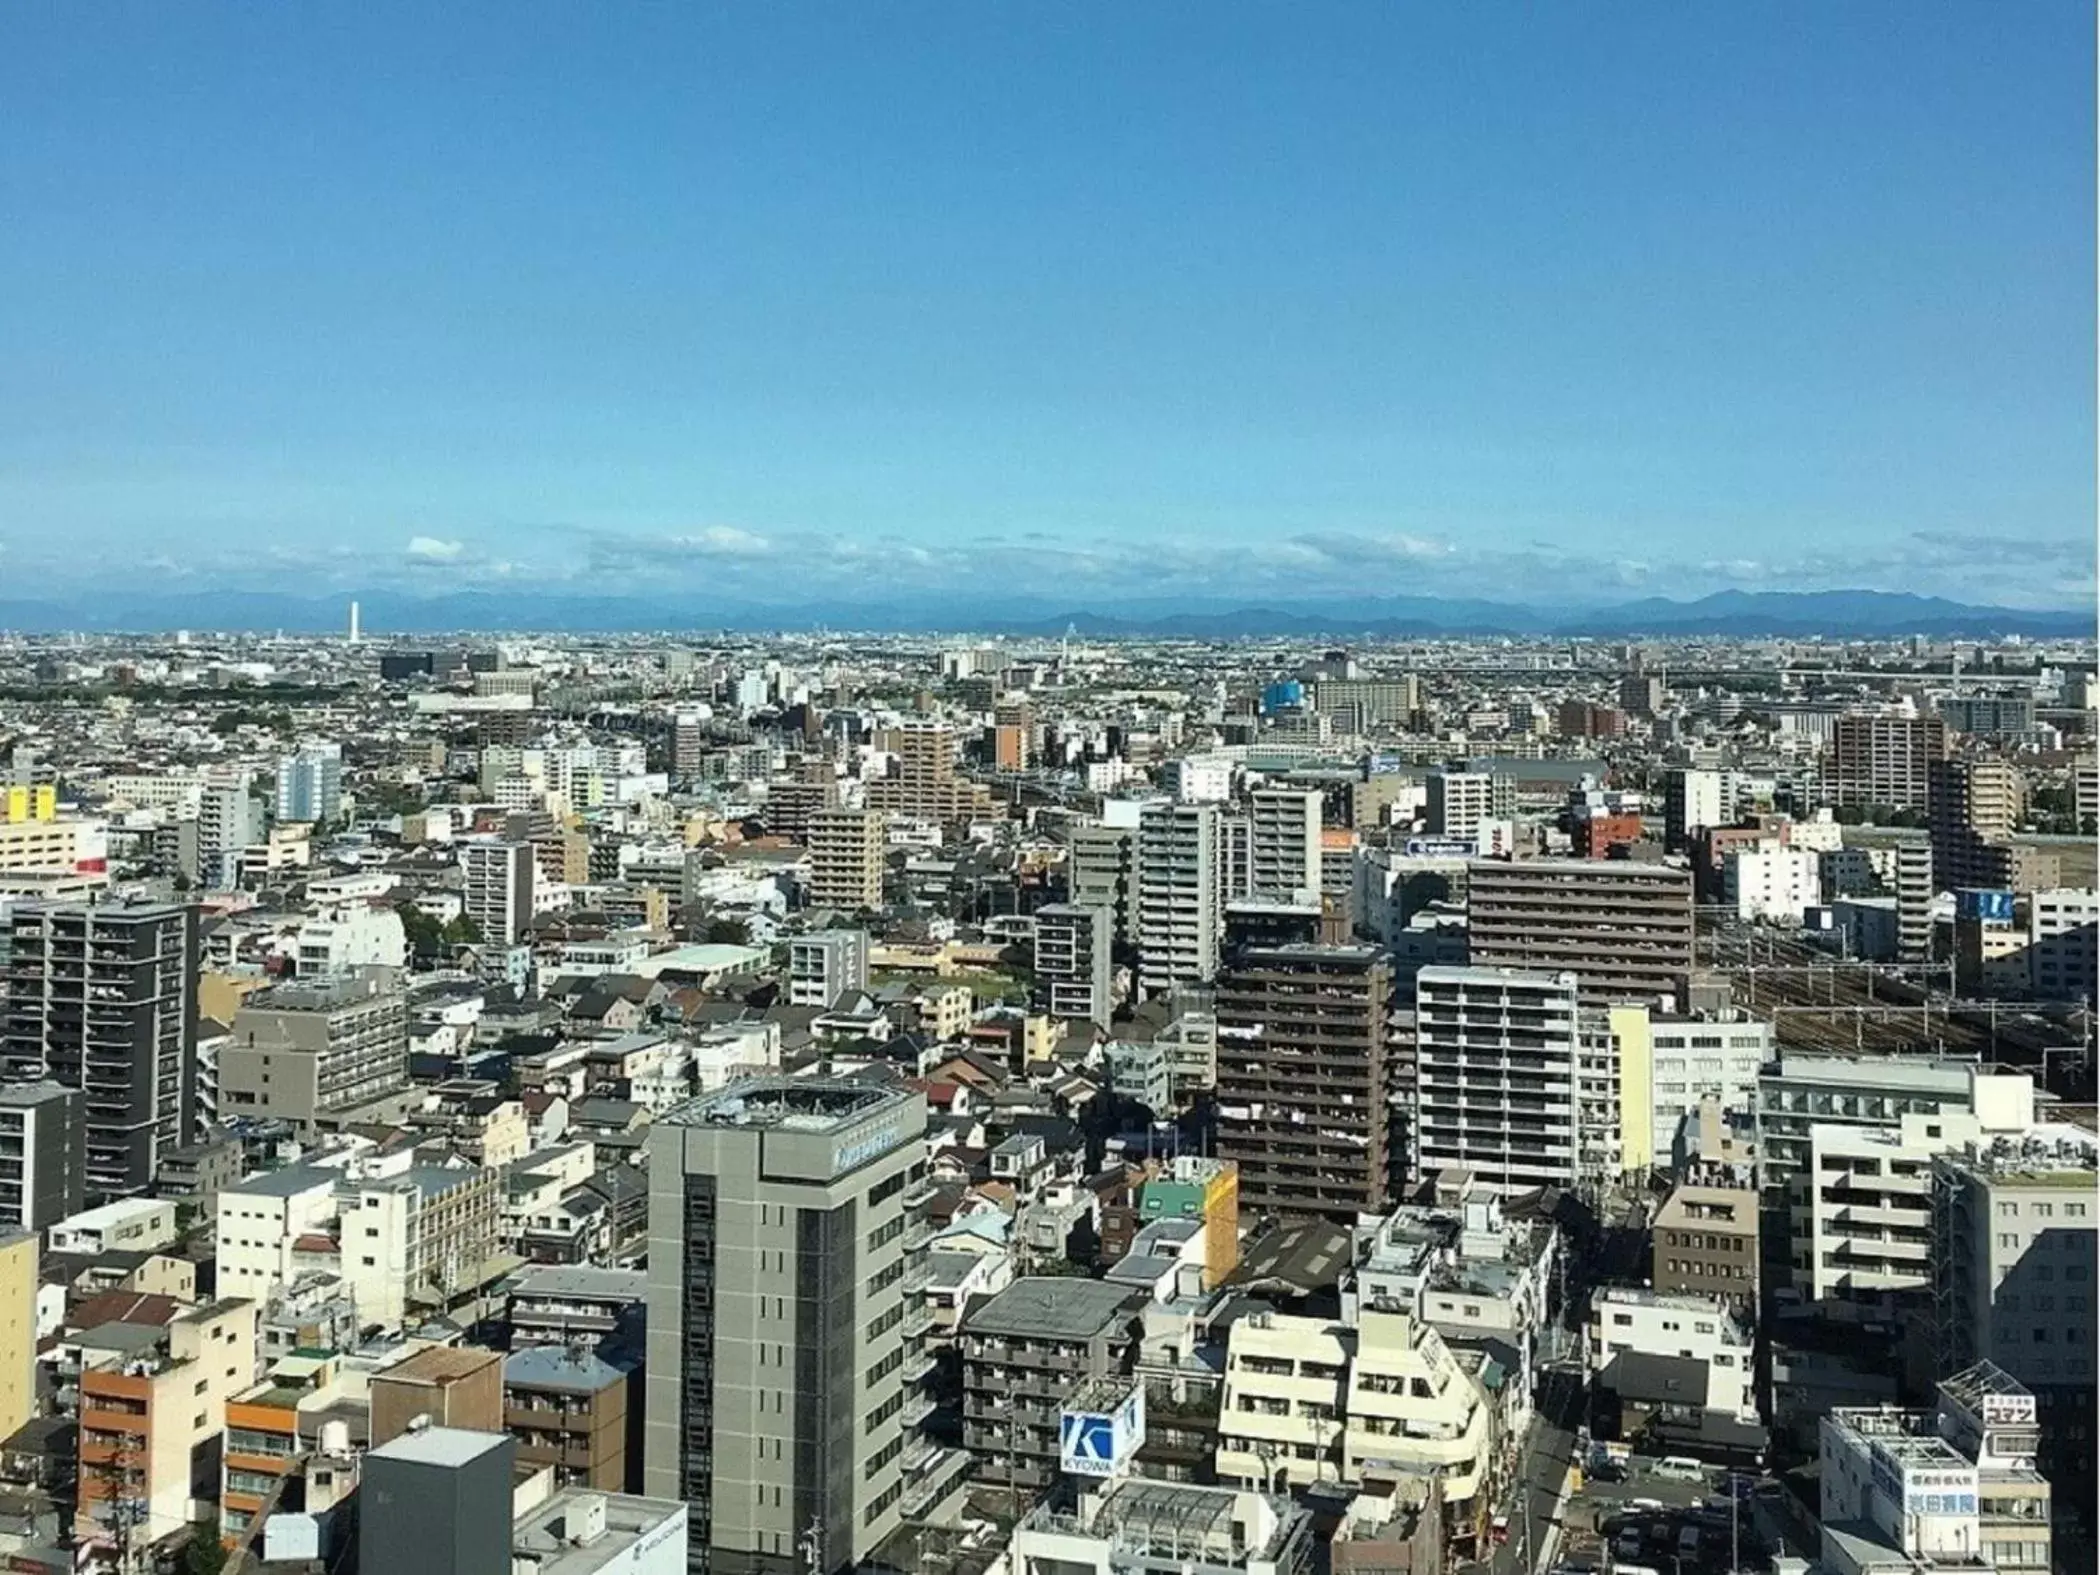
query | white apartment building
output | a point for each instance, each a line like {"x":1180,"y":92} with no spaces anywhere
{"x":1495,"y":1076}
{"x":1199,"y":779}
{"x":825,"y":965}
{"x":1862,"y":1213}
{"x":1694,"y":1328}
{"x":497,"y":888}
{"x":1460,"y":802}
{"x":260,"y":1222}
{"x":2064,"y":943}
{"x":1771,"y":883}
{"x":1694,"y":1059}
{"x":1797,"y":1092}
{"x":356,"y":936}
{"x":1176,"y":879}
{"x":1307,"y":1400}
{"x":1693,"y":801}
{"x":1283,"y":842}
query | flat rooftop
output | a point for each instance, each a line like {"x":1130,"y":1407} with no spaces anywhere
{"x":1052,"y":1307}
{"x":547,"y":1540}
{"x":439,"y":1446}
{"x":793,"y":1104}
{"x":290,"y":1181}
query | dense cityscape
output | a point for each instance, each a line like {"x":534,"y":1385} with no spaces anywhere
{"x":820,"y":1102}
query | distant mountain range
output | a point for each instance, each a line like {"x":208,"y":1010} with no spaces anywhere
{"x":1737,"y":614}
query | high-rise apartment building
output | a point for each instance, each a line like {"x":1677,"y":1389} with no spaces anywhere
{"x":1884,"y":760}
{"x":792,"y":805}
{"x":1916,"y":882}
{"x":1099,"y":866}
{"x":1073,"y":973}
{"x":41,"y":1142}
{"x":780,"y":1324}
{"x":1975,"y":808}
{"x":1283,"y":842}
{"x":1177,"y":875}
{"x":1623,"y":928}
{"x":310,"y":784}
{"x":688,"y":745}
{"x":1302,"y":1078}
{"x":1495,"y":1076}
{"x":104,"y":1000}
{"x":1458,"y":801}
{"x":496,"y":888}
{"x":846,"y":854}
{"x":1379,"y":702}
{"x":923,"y":784}
{"x":1693,"y":801}
{"x":826,"y":964}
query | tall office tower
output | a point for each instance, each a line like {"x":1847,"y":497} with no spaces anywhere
{"x":825,"y":965}
{"x":846,"y":850}
{"x":1976,"y":807}
{"x":496,"y":890}
{"x":1014,"y":724}
{"x":1885,"y":760}
{"x":688,"y":745}
{"x":2014,"y":1264}
{"x":1302,"y":1106}
{"x":1100,"y":871}
{"x":1624,"y":929}
{"x":790,"y":806}
{"x":1283,"y":842}
{"x":1495,"y":1076}
{"x":1693,"y":801}
{"x":1175,"y":893}
{"x":1379,"y":702}
{"x":41,"y":1141}
{"x":1073,"y":974}
{"x":104,"y":1000}
{"x":779,"y":1324}
{"x":1458,"y":801}
{"x":1916,"y":882}
{"x":310,"y":784}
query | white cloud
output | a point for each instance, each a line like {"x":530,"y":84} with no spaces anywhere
{"x":432,"y":549}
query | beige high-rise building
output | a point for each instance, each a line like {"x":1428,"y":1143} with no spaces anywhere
{"x":1976,"y":807}
{"x":18,"y":1283}
{"x":1885,"y":760}
{"x":846,"y":859}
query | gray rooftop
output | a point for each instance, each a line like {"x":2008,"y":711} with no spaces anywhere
{"x":284,"y":1183}
{"x":581,"y":1281}
{"x":557,"y":1367}
{"x":440,"y":1446}
{"x":1046,"y":1307}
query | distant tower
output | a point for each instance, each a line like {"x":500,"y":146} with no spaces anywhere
{"x":353,"y":623}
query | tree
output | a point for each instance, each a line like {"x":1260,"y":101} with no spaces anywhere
{"x":204,"y":1555}
{"x":462,"y":931}
{"x":727,"y":932}
{"x":425,"y":936}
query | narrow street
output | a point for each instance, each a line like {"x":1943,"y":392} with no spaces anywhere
{"x":1540,"y":1474}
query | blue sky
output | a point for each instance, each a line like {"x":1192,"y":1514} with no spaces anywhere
{"x":775,"y":301}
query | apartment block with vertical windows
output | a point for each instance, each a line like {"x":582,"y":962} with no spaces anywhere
{"x":1302,"y":1078}
{"x":103,"y":999}
{"x":1073,"y":972}
{"x":1623,"y":928}
{"x":1496,"y":1074}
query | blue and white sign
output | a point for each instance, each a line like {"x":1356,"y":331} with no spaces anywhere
{"x":1993,"y":907}
{"x":1102,"y":1443}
